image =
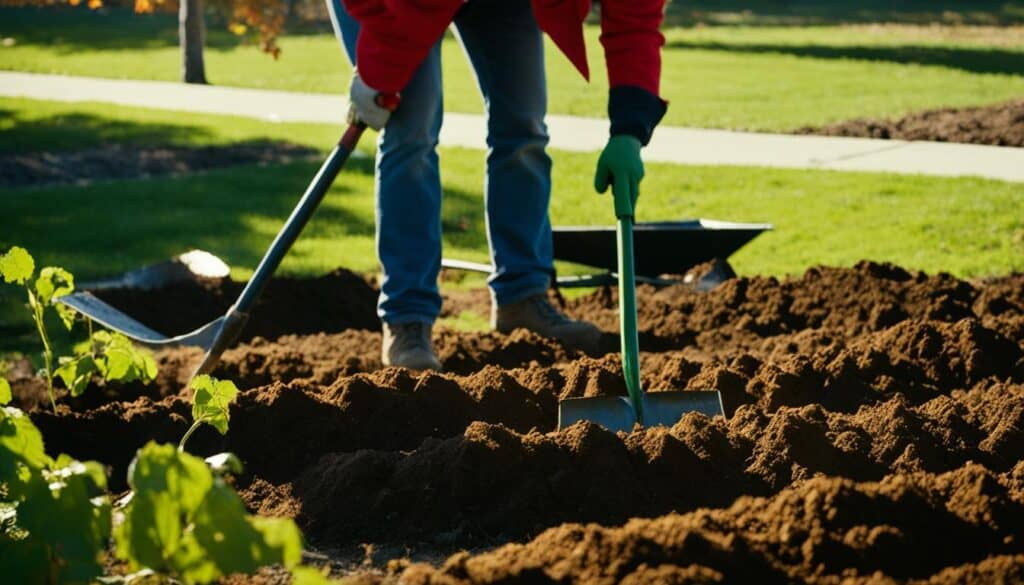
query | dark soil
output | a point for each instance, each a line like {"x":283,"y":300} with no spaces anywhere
{"x":117,"y":161}
{"x":997,"y":125}
{"x":334,"y":302}
{"x":875,"y":433}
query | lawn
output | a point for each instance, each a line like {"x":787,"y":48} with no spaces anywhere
{"x":751,"y":77}
{"x":969,"y":227}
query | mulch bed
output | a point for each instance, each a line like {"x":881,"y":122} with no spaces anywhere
{"x":996,"y":125}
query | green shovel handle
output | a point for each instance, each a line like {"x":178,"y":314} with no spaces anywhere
{"x":627,"y":304}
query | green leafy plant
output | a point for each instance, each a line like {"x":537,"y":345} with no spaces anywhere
{"x":183,"y":520}
{"x":210,"y":405}
{"x":105,"y":354}
{"x":5,"y":387}
{"x":55,"y":518}
{"x":17,"y":267}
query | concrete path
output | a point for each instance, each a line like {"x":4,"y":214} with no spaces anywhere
{"x":670,"y":144}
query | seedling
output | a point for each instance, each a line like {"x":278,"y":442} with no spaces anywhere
{"x":106,"y":355}
{"x":210,"y":405}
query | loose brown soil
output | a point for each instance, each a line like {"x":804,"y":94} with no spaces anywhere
{"x":996,"y":125}
{"x":875,"y":433}
{"x":115,"y":161}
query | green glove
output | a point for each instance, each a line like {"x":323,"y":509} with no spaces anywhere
{"x":621,"y":167}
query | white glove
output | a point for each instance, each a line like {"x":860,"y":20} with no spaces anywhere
{"x":368,"y":105}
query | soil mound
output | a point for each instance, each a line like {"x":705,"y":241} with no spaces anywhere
{"x":907,"y":526}
{"x":333,"y":302}
{"x":997,"y":125}
{"x":492,"y":480}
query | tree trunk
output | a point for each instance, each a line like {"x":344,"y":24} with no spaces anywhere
{"x":192,"y":37}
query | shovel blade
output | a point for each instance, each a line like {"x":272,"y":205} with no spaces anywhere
{"x":666,"y":408}
{"x":615,"y":413}
{"x":111,"y":318}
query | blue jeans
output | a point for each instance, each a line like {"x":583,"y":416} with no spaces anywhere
{"x":506,"y":51}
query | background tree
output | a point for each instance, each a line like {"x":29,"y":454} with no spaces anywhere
{"x":261,"y":19}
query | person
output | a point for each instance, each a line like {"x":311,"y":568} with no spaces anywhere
{"x":395,"y":46}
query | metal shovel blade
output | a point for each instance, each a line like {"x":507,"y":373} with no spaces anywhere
{"x":111,"y":318}
{"x":615,"y":413}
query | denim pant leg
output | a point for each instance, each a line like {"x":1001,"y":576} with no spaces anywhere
{"x":505,"y":47}
{"x":408,"y":189}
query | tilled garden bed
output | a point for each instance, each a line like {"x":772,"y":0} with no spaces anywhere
{"x":874,"y":433}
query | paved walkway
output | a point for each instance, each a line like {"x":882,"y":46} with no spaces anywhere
{"x":670,"y":144}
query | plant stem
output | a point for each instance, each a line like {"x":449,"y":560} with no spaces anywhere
{"x":37,"y":316}
{"x":92,"y":344}
{"x":195,"y":425}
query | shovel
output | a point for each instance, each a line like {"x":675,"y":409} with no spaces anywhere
{"x":621,"y":413}
{"x":218,"y":335}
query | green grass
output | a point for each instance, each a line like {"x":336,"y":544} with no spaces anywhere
{"x":969,"y":227}
{"x":805,"y":12}
{"x":754,"y":77}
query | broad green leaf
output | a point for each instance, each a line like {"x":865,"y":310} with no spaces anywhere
{"x":66,"y":314}
{"x":309,"y":576}
{"x":21,"y":446}
{"x":168,"y":489}
{"x":53,"y":282}
{"x":5,"y":391}
{"x":282,"y":536}
{"x":211,"y":401}
{"x":63,"y":518}
{"x":120,"y":360}
{"x":17,"y":265}
{"x":147,"y":365}
{"x":76,"y":373}
{"x":117,"y":363}
{"x":78,"y":500}
{"x":236,"y":542}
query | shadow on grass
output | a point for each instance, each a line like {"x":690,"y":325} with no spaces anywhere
{"x":966,"y":59}
{"x":77,"y":131}
{"x":833,"y":12}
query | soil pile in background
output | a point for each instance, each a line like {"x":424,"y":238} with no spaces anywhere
{"x":996,"y":125}
{"x":334,"y":302}
{"x":115,"y":161}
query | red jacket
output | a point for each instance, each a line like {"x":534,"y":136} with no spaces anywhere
{"x":396,"y":36}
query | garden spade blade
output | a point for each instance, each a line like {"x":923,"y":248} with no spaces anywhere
{"x":99,"y":311}
{"x":620,"y":413}
{"x":616,"y":413}
{"x":218,"y":335}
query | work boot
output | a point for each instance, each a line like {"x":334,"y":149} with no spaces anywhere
{"x":408,"y":345}
{"x":537,"y":314}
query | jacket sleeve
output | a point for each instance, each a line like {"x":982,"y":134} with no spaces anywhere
{"x":395,"y":36}
{"x":632,"y":47}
